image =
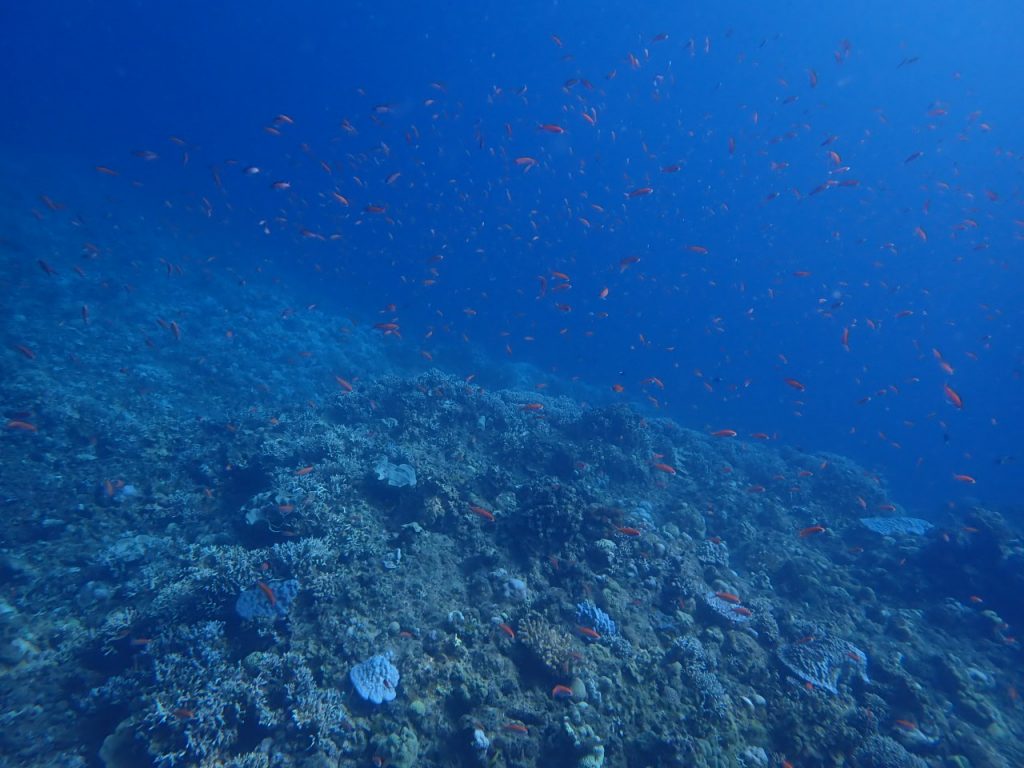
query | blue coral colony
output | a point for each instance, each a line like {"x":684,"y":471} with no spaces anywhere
{"x":580,"y":415}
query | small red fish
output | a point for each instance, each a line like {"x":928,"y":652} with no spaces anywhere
{"x":729,"y":597}
{"x":304,"y":470}
{"x":953,"y":396}
{"x":593,"y":634}
{"x":266,"y":590}
{"x":668,"y":469}
{"x":627,"y":531}
{"x":724,"y":433}
{"x":486,"y":514}
{"x":798,"y":386}
{"x":965,"y":479}
{"x":507,"y":630}
{"x":811,"y":530}
{"x":561,"y":692}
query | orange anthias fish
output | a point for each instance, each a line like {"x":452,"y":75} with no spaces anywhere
{"x":266,"y":590}
{"x":953,"y":396}
{"x":486,"y":514}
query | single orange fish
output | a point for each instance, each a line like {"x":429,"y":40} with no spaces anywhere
{"x":304,"y":470}
{"x":266,"y":590}
{"x":668,"y":469}
{"x":965,"y":479}
{"x":953,"y":396}
{"x":593,"y":634}
{"x":811,"y":530}
{"x":729,"y":597}
{"x":486,"y":514}
{"x":724,"y":433}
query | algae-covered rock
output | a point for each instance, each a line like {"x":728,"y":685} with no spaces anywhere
{"x":400,"y":750}
{"x":594,"y":758}
{"x":884,"y":752}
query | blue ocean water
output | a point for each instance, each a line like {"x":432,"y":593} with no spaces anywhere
{"x":795,"y":224}
{"x":449,"y":101}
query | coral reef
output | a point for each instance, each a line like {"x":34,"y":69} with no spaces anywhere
{"x":376,"y":679}
{"x":176,"y":624}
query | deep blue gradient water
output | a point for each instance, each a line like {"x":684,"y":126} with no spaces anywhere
{"x":729,"y":277}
